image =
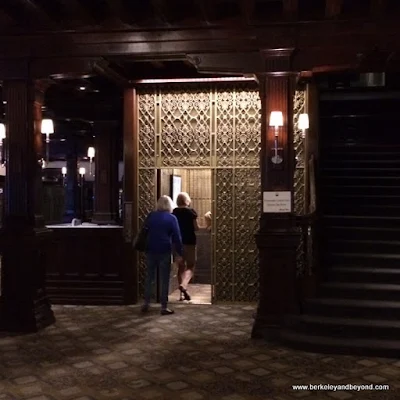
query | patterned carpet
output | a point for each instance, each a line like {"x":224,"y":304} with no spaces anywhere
{"x":201,"y":352}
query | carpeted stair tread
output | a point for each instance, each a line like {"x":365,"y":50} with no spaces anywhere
{"x":361,"y":322}
{"x":362,"y":146}
{"x":364,"y":228}
{"x":363,"y":177}
{"x":355,"y":303}
{"x":351,"y":185}
{"x":366,"y":154}
{"x":366,"y":242}
{"x":370,"y":217}
{"x":376,"y":169}
{"x":361,"y":285}
{"x":337,"y":180}
{"x":365,"y":270}
{"x":378,"y":256}
{"x":360,"y":161}
{"x":365,"y":274}
{"x":346,"y":342}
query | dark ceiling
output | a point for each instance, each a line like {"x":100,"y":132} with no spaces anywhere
{"x":95,"y":15}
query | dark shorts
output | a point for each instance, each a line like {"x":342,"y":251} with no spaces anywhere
{"x":189,"y":255}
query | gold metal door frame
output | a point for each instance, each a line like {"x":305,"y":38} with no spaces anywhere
{"x":202,"y":126}
{"x":300,"y":179}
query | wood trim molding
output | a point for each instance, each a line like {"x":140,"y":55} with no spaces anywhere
{"x":278,"y":60}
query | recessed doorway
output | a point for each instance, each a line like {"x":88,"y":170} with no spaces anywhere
{"x":198,"y":184}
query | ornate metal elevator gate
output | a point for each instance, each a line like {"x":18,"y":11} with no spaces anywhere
{"x":216,"y":126}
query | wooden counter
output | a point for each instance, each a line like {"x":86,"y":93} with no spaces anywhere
{"x":87,"y":264}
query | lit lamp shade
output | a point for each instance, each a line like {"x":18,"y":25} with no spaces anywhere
{"x":2,"y":131}
{"x":276,"y":119}
{"x":303,"y":122}
{"x":64,"y":170}
{"x":82,"y":171}
{"x":91,"y":152}
{"x":47,"y":126}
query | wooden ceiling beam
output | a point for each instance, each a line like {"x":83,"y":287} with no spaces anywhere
{"x":78,"y":12}
{"x":37,"y":13}
{"x":333,"y":8}
{"x":290,"y":9}
{"x":188,"y":63}
{"x":119,"y":13}
{"x":6,"y":20}
{"x":378,"y":7}
{"x":102,"y":67}
{"x":158,"y":64}
{"x":173,"y":43}
{"x":247,"y":10}
{"x":207,"y":10}
{"x":161,"y":11}
{"x":117,"y":7}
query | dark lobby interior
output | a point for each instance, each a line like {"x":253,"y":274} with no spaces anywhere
{"x":279,"y":118}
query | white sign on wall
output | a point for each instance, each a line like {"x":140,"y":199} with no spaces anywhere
{"x":277,"y":202}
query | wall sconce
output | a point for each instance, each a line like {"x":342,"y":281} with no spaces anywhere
{"x":303,"y":124}
{"x":64,"y":173}
{"x":82,"y":172}
{"x":47,"y":129}
{"x":90,"y":153}
{"x":2,"y":137}
{"x":276,"y":120}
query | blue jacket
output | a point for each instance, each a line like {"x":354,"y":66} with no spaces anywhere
{"x":163,"y":231}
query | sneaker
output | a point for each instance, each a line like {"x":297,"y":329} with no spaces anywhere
{"x":167,"y":311}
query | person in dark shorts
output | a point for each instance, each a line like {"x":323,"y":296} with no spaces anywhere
{"x":187,"y":219}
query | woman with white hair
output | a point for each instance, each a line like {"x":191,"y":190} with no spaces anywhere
{"x":187,"y":218}
{"x":163,"y":232}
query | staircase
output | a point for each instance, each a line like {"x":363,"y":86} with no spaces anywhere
{"x":357,"y":310}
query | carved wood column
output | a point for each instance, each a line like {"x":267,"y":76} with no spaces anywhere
{"x":106,"y":174}
{"x":40,"y":87}
{"x":25,"y":306}
{"x":130,"y":193}
{"x":278,"y":238}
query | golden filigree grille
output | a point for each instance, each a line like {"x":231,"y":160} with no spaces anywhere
{"x":224,"y":231}
{"x":147,"y":194}
{"x":219,"y":128}
{"x":299,"y":178}
{"x":247,"y":209}
{"x":225,"y":126}
{"x":185,"y":127}
{"x":147,"y":137}
{"x":247,"y":128}
{"x":298,"y":108}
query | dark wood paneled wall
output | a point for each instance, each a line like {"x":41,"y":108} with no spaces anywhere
{"x":87,"y":266}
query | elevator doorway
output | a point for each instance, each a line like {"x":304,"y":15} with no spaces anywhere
{"x":211,"y":126}
{"x":198,"y":184}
